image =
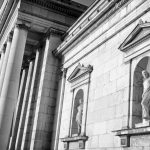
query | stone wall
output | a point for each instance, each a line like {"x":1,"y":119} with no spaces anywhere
{"x":108,"y":103}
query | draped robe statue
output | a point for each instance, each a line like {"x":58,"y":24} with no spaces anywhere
{"x":146,"y":95}
{"x":79,"y":115}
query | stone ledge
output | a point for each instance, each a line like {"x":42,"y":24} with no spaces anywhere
{"x":126,"y":134}
{"x":76,"y":142}
{"x":133,"y":131}
{"x":76,"y":138}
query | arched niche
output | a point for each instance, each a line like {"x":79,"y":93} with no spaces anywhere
{"x":79,"y":95}
{"x":79,"y":81}
{"x":143,"y":64}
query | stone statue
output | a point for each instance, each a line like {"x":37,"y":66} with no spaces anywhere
{"x":79,"y":115}
{"x":146,"y":95}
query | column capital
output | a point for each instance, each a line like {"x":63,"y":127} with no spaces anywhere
{"x":10,"y":36}
{"x":3,"y":48}
{"x":55,"y":31}
{"x":39,"y":46}
{"x":23,"y":25}
{"x":62,"y":72}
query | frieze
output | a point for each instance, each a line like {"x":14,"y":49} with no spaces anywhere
{"x":57,"y":6}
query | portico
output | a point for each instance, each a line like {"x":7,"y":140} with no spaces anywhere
{"x":29,"y":72}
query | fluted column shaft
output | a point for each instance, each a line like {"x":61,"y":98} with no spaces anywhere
{"x":4,"y":64}
{"x":27,"y":118}
{"x":24,"y":108}
{"x":9,"y":90}
{"x":18,"y":109}
{"x":2,"y":57}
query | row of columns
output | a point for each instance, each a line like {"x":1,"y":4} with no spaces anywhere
{"x":10,"y":71}
{"x":24,"y":102}
{"x":27,"y":93}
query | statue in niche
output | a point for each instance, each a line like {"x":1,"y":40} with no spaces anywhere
{"x":146,"y":96}
{"x":79,"y":115}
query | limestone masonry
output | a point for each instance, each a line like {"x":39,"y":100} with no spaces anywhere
{"x":74,"y":77}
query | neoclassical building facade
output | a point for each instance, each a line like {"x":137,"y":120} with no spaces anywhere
{"x":71,"y":77}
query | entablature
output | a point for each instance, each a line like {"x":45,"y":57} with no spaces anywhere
{"x":99,"y":11}
{"x":65,"y":7}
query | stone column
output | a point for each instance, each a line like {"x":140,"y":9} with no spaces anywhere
{"x":2,"y":56}
{"x":46,"y":98}
{"x":18,"y":109}
{"x":24,"y":108}
{"x":9,"y":92}
{"x":59,"y":110}
{"x":28,"y":114}
{"x":3,"y":68}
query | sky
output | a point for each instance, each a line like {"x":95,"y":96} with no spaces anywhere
{"x":85,"y":2}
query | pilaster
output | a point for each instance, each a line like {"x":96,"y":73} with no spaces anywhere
{"x":58,"y":111}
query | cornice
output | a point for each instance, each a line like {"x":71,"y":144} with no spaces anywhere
{"x":87,"y":21}
{"x":74,"y":11}
{"x":123,"y":23}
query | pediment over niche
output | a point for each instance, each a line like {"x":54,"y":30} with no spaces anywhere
{"x":139,"y":34}
{"x":79,"y":72}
